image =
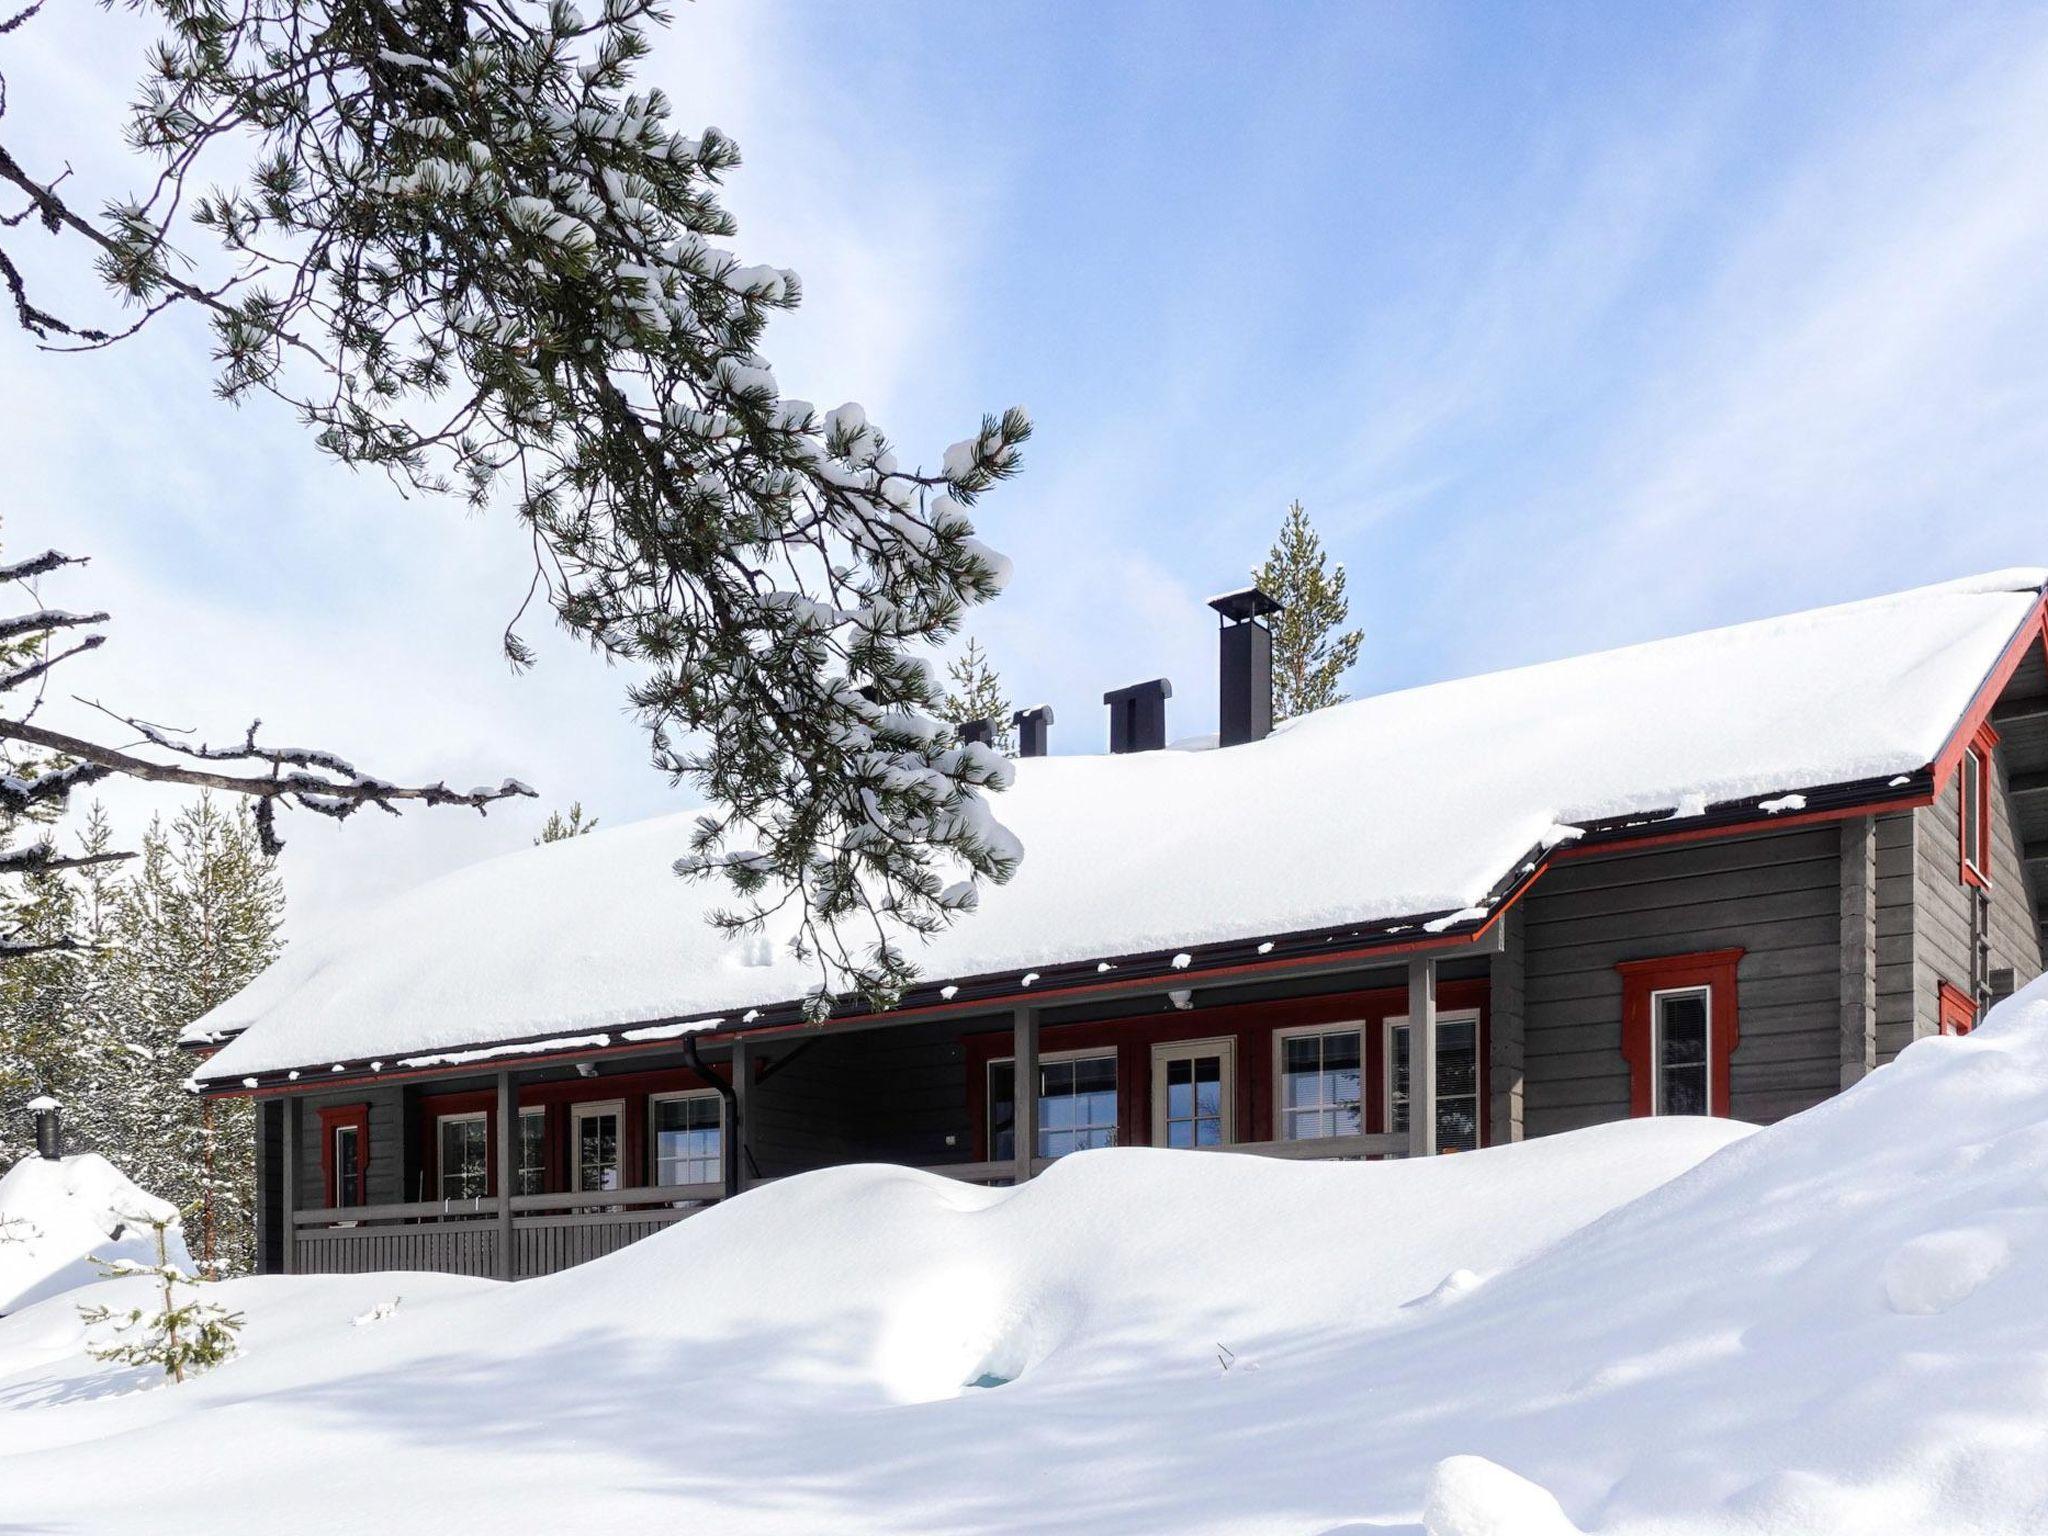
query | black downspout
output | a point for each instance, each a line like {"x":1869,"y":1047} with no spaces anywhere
{"x":729,"y":1158}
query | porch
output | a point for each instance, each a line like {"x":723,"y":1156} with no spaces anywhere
{"x":602,"y":1152}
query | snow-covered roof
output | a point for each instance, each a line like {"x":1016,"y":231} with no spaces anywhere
{"x":1407,"y":803}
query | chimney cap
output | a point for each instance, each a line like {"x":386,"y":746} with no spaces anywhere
{"x":1035,"y":712}
{"x":1151,"y":688}
{"x":1248,"y":603}
{"x":42,"y":1104}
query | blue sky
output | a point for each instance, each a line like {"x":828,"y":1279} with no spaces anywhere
{"x":1571,"y":326}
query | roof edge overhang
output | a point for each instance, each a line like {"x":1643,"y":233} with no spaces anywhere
{"x":1280,"y":956}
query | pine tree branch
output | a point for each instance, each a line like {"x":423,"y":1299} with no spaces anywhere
{"x":328,"y":794}
{"x":41,"y":858}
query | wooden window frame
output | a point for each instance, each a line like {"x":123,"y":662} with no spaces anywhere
{"x":1358,"y":1027}
{"x":1713,"y":970}
{"x":333,"y":1118}
{"x":519,"y":1114}
{"x":1973,"y":864}
{"x":488,"y":1120}
{"x":1657,"y":1043}
{"x":1956,"y":1010}
{"x":1165,"y":1051}
{"x":613,"y":1107}
{"x":1107,"y":1053}
{"x":1394,"y":1021}
{"x":680,"y":1095}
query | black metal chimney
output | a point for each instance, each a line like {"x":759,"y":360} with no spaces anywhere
{"x":1244,"y":702}
{"x":49,"y":1132}
{"x":1031,"y":728}
{"x":1137,"y":716}
{"x":983,"y":731}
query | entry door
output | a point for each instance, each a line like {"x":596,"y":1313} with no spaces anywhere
{"x":1194,"y":1089}
{"x":594,"y":1146}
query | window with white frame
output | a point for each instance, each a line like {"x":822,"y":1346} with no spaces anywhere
{"x":1681,"y":1040}
{"x":1076,"y":1105}
{"x":1457,"y":1080}
{"x":1976,"y":787}
{"x":594,"y":1145}
{"x":1319,"y":1078}
{"x":348,"y":1165}
{"x":1192,"y":1093}
{"x":688,"y":1137}
{"x":464,"y":1147}
{"x":533,"y":1153}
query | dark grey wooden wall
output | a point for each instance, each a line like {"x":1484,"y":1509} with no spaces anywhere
{"x":1776,"y":895}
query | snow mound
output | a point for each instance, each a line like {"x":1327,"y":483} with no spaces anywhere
{"x":1830,"y":1327}
{"x":1471,"y":1496}
{"x":1933,"y":1273}
{"x":56,"y":1217}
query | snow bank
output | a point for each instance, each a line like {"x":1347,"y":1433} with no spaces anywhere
{"x":1161,"y":850}
{"x":1831,"y":1327}
{"x":56,"y":1217}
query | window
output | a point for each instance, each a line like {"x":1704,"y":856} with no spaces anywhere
{"x":348,"y":1165}
{"x":1457,"y":1080}
{"x":594,"y":1146}
{"x":1319,"y":1076}
{"x":1193,"y":1085}
{"x":688,"y":1144}
{"x":1974,"y":809}
{"x":1076,"y":1105}
{"x":533,"y":1153}
{"x":463,"y":1145}
{"x":1679,"y":1029}
{"x":345,"y":1155}
{"x":1958,"y":1010}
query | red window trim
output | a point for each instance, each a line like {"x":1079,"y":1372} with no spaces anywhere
{"x":1974,"y":865}
{"x":337,"y":1117}
{"x":1957,"y":1010}
{"x":1641,"y":980}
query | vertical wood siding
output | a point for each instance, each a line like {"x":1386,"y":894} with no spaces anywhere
{"x":1775,"y":895}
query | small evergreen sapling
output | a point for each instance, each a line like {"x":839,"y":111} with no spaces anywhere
{"x":1311,"y":653}
{"x":559,"y":828}
{"x":977,"y":694}
{"x":183,"y":1333}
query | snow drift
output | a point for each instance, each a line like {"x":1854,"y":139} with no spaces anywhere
{"x":1831,"y":1326}
{"x":56,"y":1217}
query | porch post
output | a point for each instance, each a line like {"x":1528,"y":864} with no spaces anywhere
{"x":742,"y":1118}
{"x":288,"y":1205}
{"x":1024,"y":1089}
{"x":508,"y":1171}
{"x":1422,"y":1057}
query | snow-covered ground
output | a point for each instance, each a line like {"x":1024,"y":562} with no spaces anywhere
{"x":1832,"y":1326}
{"x":59,"y":1217}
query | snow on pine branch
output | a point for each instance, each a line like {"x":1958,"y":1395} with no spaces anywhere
{"x":469,"y":251}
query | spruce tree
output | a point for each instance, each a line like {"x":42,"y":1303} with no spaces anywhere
{"x":184,"y":1333}
{"x":977,"y":694}
{"x":1311,"y":653}
{"x":194,"y":925}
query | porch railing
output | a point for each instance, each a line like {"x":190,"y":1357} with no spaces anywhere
{"x":462,"y":1237}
